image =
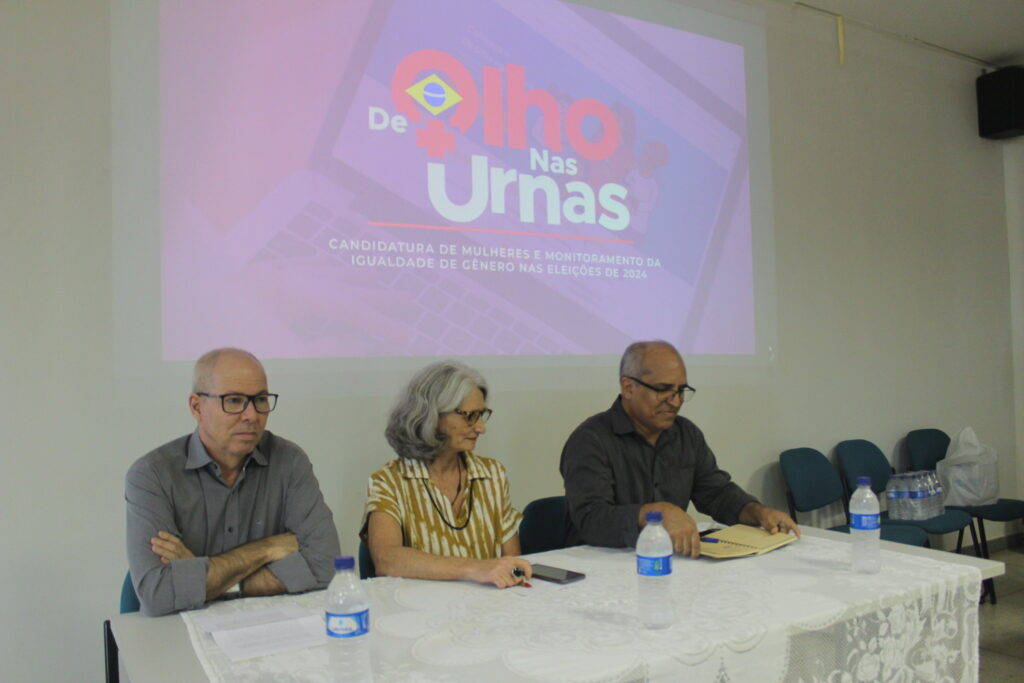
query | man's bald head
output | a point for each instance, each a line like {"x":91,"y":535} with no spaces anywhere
{"x":634,"y":361}
{"x":202,"y":374}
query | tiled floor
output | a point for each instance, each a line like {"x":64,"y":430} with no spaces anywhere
{"x":1002,"y":624}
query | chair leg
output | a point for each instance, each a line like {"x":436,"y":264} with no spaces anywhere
{"x":990,"y":584}
{"x":974,"y":539}
{"x":110,"y":654}
{"x":960,"y":541}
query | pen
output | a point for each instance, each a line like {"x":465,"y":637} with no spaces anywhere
{"x":709,"y":540}
{"x":517,"y":572}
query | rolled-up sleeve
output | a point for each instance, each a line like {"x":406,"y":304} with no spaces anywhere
{"x":161,"y":588}
{"x":307,"y":516}
{"x":590,"y":493}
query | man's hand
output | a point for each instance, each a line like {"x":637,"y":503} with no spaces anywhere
{"x":169,"y":547}
{"x":680,"y":527}
{"x":771,"y":520}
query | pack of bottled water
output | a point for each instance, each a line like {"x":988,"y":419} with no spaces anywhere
{"x":915,"y":496}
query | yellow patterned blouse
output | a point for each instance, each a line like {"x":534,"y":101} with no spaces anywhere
{"x":403,"y":490}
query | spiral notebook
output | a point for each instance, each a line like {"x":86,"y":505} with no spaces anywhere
{"x":741,"y":540}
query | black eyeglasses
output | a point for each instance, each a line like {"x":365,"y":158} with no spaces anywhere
{"x":685,"y":392}
{"x":237,"y":403}
{"x":473,"y":415}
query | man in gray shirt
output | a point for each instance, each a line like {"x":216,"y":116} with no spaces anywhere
{"x":230,"y":504}
{"x":640,"y":456}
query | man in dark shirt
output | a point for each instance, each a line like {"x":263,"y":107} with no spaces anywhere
{"x":640,"y":456}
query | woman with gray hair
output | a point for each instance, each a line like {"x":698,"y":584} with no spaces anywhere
{"x":439,"y":511}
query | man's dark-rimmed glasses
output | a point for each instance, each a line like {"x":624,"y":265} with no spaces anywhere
{"x":685,"y":392}
{"x":233,"y":404}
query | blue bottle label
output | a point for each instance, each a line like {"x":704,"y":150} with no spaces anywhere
{"x":864,"y":522}
{"x":919,"y":493}
{"x":654,"y":566}
{"x":348,"y":625}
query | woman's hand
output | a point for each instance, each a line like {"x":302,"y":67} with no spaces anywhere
{"x":502,"y":571}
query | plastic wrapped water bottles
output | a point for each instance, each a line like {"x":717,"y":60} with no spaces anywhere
{"x":654,"y":574}
{"x":866,"y":554}
{"x":915,"y":496}
{"x":347,"y":616}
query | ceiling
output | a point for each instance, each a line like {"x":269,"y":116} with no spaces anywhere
{"x":991,"y":31}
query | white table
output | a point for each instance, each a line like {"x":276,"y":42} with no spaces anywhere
{"x":794,"y":612}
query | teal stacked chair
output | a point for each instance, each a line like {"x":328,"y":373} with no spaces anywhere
{"x":860,"y":458}
{"x":812,"y":483}
{"x":543,"y":526}
{"x":129,"y":599}
{"x":925,"y":448}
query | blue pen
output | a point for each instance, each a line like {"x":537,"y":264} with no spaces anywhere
{"x":709,"y":540}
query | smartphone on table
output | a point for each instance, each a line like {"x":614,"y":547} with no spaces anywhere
{"x":555,"y":574}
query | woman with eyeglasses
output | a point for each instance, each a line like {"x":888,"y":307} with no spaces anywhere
{"x":439,"y":511}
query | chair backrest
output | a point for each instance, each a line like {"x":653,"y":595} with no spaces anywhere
{"x":366,"y":568}
{"x":860,"y":458}
{"x":811,"y":479}
{"x":129,"y":600}
{"x":543,"y":526}
{"x":926,"y":447}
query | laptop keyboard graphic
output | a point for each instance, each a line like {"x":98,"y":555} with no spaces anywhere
{"x":442,"y":314}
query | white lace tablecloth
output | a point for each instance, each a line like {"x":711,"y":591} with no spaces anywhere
{"x":795,"y":614}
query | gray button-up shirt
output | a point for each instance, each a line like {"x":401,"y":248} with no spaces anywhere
{"x":610,"y":471}
{"x":178,"y":488}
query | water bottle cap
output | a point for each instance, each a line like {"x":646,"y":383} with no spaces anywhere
{"x":344,"y":562}
{"x":653,"y":517}
{"x":863,"y":481}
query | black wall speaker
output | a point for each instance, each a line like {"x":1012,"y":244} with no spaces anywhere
{"x":1001,"y":103}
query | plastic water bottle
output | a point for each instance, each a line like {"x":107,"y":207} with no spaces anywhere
{"x":866,"y":554}
{"x":903,"y":493}
{"x":927,"y":498}
{"x":931,"y":496}
{"x":898,"y":509}
{"x":940,"y":493}
{"x":917,"y":497}
{"x":892,"y":497}
{"x":654,"y":574}
{"x":347,"y":616}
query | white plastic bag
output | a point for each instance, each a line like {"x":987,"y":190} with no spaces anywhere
{"x":970,"y":471}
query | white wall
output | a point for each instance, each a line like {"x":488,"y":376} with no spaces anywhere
{"x":1013,"y":159}
{"x":894,"y":300}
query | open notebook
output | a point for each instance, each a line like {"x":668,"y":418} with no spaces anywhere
{"x":741,"y":540}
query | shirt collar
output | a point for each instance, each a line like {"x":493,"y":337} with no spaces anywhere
{"x":417,"y":469}
{"x":198,"y":457}
{"x":622,"y":425}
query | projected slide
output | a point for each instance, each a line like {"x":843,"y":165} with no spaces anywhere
{"x":427,"y":178}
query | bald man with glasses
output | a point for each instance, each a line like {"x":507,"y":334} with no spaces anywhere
{"x":230,"y":509}
{"x":640,"y":455}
